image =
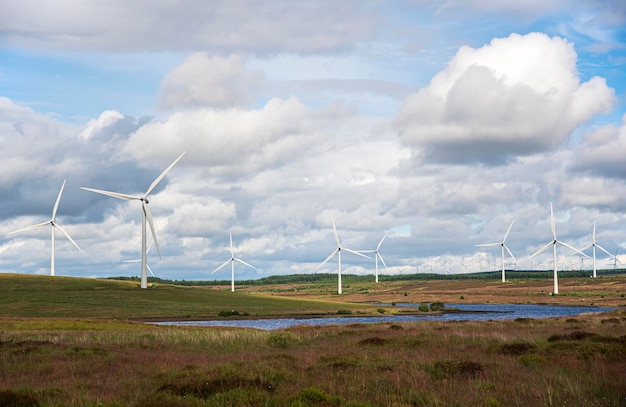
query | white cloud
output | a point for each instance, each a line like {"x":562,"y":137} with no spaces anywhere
{"x":518,"y":95}
{"x":160,"y":25}
{"x":602,"y":151}
{"x":203,"y":81}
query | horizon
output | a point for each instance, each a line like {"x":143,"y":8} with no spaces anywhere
{"x":436,"y":123}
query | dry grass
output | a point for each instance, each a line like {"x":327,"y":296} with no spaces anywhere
{"x":574,"y":361}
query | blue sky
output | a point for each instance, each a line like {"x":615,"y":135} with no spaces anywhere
{"x":438,"y":122}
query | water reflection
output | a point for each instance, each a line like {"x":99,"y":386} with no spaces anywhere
{"x":473,"y":312}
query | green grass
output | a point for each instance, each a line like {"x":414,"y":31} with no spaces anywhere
{"x":67,"y":297}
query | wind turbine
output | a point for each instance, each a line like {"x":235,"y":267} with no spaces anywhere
{"x":503,"y":246}
{"x":138,"y":260}
{"x":145,"y":215}
{"x":593,"y":246}
{"x":232,"y":261}
{"x":337,"y":252}
{"x":377,"y":255}
{"x":553,"y":243}
{"x":54,"y":225}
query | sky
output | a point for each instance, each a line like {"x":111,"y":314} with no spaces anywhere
{"x":435,"y":122}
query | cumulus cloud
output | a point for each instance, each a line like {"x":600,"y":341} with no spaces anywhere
{"x":203,"y":81}
{"x":243,"y":140}
{"x":161,"y":25}
{"x":602,"y":151}
{"x":515,"y":96}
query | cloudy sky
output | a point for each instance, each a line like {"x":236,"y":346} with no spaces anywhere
{"x":438,"y":122}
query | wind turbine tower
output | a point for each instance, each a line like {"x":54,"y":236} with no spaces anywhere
{"x":554,"y":243}
{"x":145,"y":215}
{"x":377,"y":255}
{"x":337,"y":252}
{"x":232,"y":261}
{"x":52,"y":222}
{"x":503,"y":246}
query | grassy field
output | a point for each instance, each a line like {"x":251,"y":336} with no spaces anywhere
{"x":64,"y":297}
{"x":76,"y":342}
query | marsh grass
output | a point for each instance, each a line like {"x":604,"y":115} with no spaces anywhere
{"x":489,"y":363}
{"x":90,"y":359}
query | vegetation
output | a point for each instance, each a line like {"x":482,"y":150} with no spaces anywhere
{"x":331,"y":278}
{"x":65,"y":297}
{"x":573,"y":361}
{"x":77,"y":342}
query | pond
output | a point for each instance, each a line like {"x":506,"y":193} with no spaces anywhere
{"x":472,"y":312}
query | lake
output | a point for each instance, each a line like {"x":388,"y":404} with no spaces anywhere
{"x":473,"y":312}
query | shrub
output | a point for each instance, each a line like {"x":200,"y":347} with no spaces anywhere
{"x":381,"y":310}
{"x":281,"y":339}
{"x":437,"y":306}
{"x":11,"y":398}
{"x":344,"y":312}
{"x":228,"y":313}
{"x":516,"y":348}
{"x":423,"y":308}
{"x":445,"y":369}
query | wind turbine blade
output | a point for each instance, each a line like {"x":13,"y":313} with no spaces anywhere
{"x":355,"y":252}
{"x":113,"y":194}
{"x":163,"y":174}
{"x":37,"y":226}
{"x":540,"y":250}
{"x":335,"y":231}
{"x":381,"y":242}
{"x":150,"y":270}
{"x":232,"y":251}
{"x":488,"y":244}
{"x":151,"y":223}
{"x":56,"y":204}
{"x":132,"y":261}
{"x":593,"y":234}
{"x":223,"y":265}
{"x":507,"y":231}
{"x":604,"y":250}
{"x":569,"y":246}
{"x":68,"y":236}
{"x":383,"y":260}
{"x":509,"y":251}
{"x":552,"y":222}
{"x":327,"y":259}
{"x":244,"y":263}
{"x":588,"y":246}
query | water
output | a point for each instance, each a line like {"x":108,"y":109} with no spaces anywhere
{"x":475,"y":312}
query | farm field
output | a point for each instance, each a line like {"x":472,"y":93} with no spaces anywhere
{"x":79,"y":342}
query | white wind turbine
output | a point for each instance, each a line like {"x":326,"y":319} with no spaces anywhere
{"x":54,"y":225}
{"x":145,"y":215}
{"x":337,"y":252}
{"x":593,"y":246}
{"x":503,"y":247}
{"x":232,"y":261}
{"x":138,"y":260}
{"x":553,"y":243}
{"x":377,"y":255}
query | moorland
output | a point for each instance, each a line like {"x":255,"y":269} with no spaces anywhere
{"x":83,"y":342}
